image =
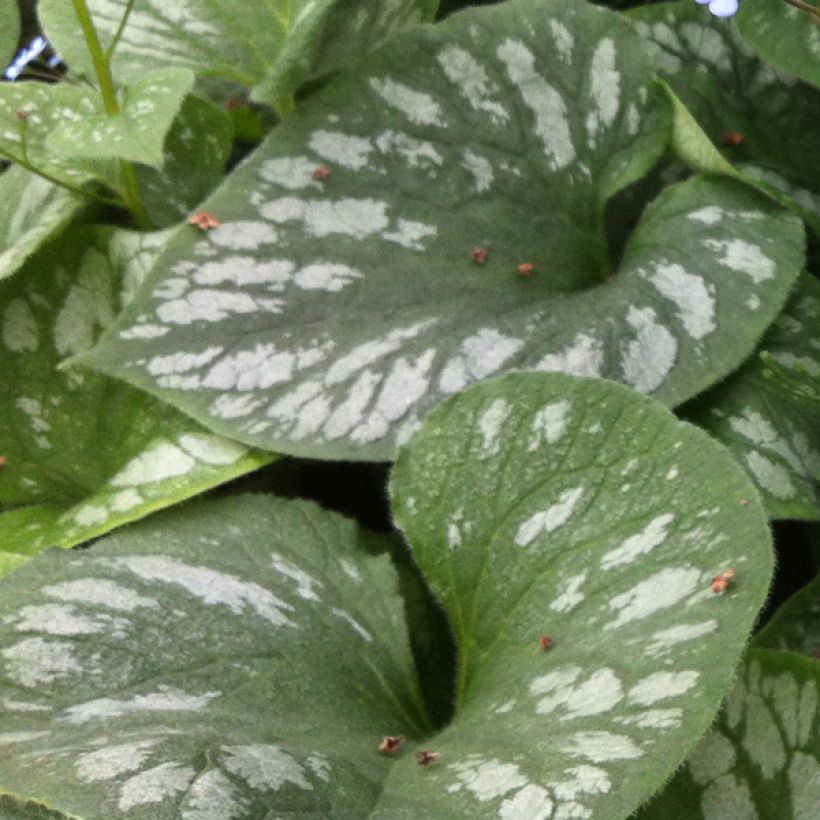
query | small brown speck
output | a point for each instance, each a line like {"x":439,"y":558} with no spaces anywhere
{"x":2,"y":462}
{"x":722,"y":581}
{"x":426,"y":757}
{"x":321,"y":173}
{"x":815,"y":655}
{"x":744,"y":502}
{"x":391,"y":744}
{"x":235,"y":102}
{"x":525,"y":269}
{"x":22,"y":115}
{"x":480,"y":255}
{"x":204,"y":220}
{"x":545,"y":642}
{"x":732,"y":138}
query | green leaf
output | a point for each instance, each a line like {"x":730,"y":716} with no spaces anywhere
{"x":30,"y":111}
{"x":795,"y":626}
{"x":545,"y":504}
{"x":196,"y":151}
{"x":163,"y":660}
{"x":772,"y":432}
{"x":84,"y":454}
{"x":326,"y":318}
{"x":761,"y":760}
{"x":275,"y":44}
{"x":231,"y":659}
{"x":138,"y":133}
{"x":730,"y":91}
{"x":9,"y":33}
{"x":784,"y":36}
{"x":32,"y":211}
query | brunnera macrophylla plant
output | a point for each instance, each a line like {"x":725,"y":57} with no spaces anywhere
{"x":457,"y":235}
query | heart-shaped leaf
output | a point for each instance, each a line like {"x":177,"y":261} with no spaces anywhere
{"x":769,"y":428}
{"x":216,"y":650}
{"x":84,"y":454}
{"x":32,"y":211}
{"x":765,"y":121}
{"x":795,"y":626}
{"x":137,"y":133}
{"x":784,"y":36}
{"x":196,"y":150}
{"x":275,"y":44}
{"x":337,"y":310}
{"x":762,"y":759}
{"x":232,"y":659}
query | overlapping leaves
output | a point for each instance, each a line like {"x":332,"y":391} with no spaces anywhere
{"x":82,"y":453}
{"x":270,"y":46}
{"x":326,"y":317}
{"x":244,"y":656}
{"x":765,"y":420}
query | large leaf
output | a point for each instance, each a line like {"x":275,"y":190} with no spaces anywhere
{"x":84,"y":454}
{"x":237,"y":659}
{"x":32,"y":211}
{"x":731,"y":93}
{"x":795,"y":626}
{"x":784,"y":36}
{"x":574,"y":508}
{"x":770,"y":429}
{"x":273,"y":44}
{"x":326,"y":318}
{"x":762,"y":759}
{"x":536,"y":503}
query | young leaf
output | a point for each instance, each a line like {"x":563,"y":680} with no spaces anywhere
{"x":84,"y":454}
{"x":764,"y":121}
{"x":138,"y":133}
{"x":795,"y":626}
{"x":240,"y":659}
{"x":761,"y":760}
{"x":772,"y":432}
{"x":196,"y":150}
{"x":345,"y":295}
{"x":784,"y":36}
{"x":575,"y":508}
{"x":32,"y":211}
{"x":218,"y":649}
{"x":276,"y":44}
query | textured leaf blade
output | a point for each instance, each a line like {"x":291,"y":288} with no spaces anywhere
{"x":765,"y":121}
{"x":83,"y":454}
{"x":10,"y":28}
{"x":226,"y":658}
{"x":761,"y":760}
{"x":326,"y":318}
{"x":276,"y":45}
{"x":544,"y":504}
{"x":137,"y":133}
{"x":32,"y":211}
{"x":773,"y":431}
{"x":784,"y":36}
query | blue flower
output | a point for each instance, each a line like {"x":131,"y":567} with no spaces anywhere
{"x":721,"y":8}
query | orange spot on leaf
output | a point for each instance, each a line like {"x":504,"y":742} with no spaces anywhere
{"x":722,"y":581}
{"x":204,"y":220}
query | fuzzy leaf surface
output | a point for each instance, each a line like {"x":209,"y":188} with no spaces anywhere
{"x":732,"y":93}
{"x":549,"y":505}
{"x":273,"y":44}
{"x":225,"y":659}
{"x":9,"y":33}
{"x":325,"y":318}
{"x":766,"y":422}
{"x":795,"y":627}
{"x":85,"y":454}
{"x":762,"y":759}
